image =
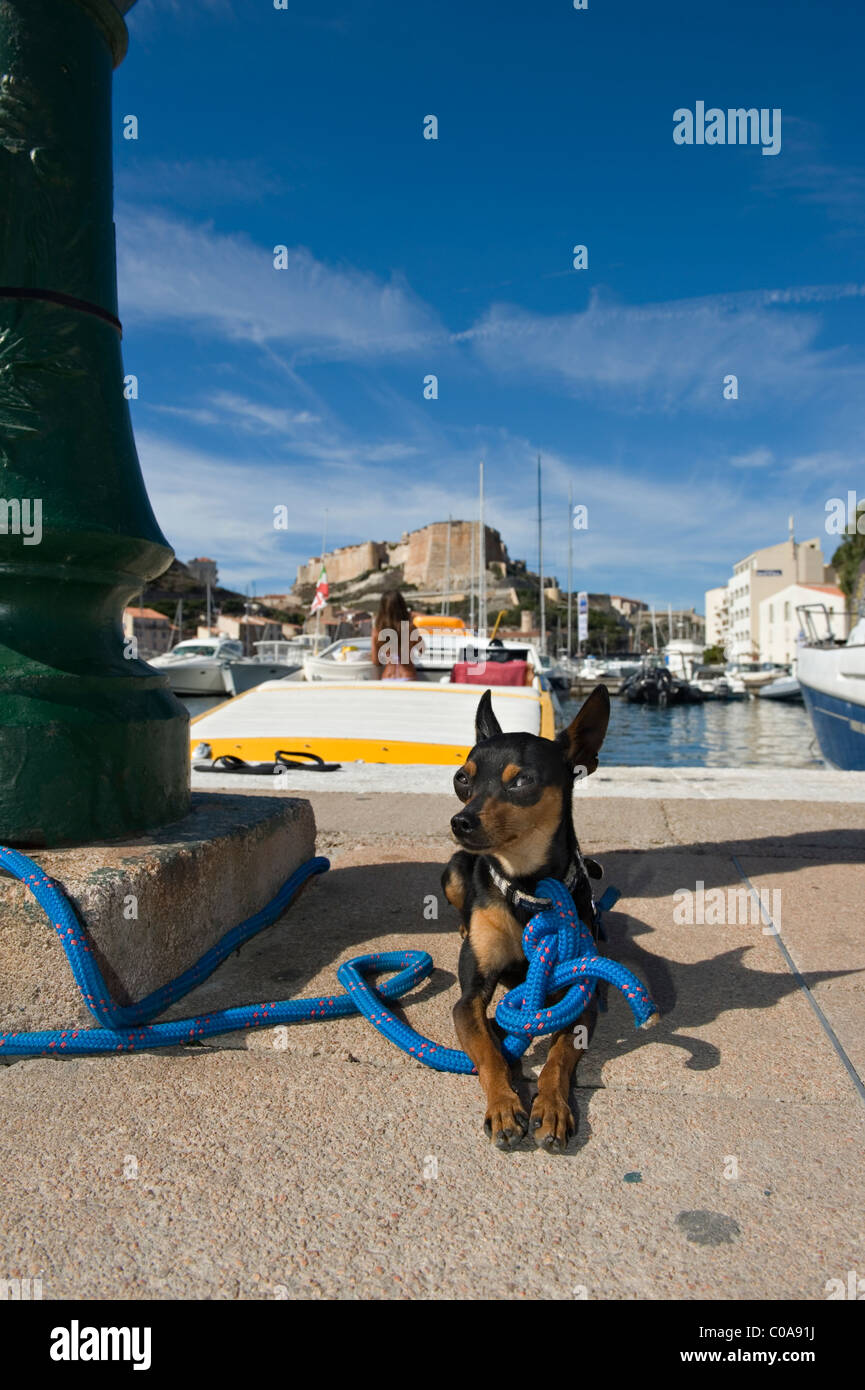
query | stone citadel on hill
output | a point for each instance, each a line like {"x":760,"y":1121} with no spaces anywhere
{"x":421,"y":556}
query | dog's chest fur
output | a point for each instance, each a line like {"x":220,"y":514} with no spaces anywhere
{"x":495,"y":928}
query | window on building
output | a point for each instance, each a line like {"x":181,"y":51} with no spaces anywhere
{"x":786,"y":612}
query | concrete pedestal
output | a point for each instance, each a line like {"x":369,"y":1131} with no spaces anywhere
{"x":152,"y":905}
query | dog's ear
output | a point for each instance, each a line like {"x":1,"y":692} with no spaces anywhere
{"x":486,"y":724}
{"x":581,"y":740}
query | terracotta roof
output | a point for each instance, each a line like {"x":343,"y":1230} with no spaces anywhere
{"x":146,"y":613}
{"x":823,"y":588}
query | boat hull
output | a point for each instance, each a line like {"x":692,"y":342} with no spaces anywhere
{"x":325,"y":669}
{"x":376,"y":721}
{"x":833,"y":688}
{"x":195,"y":677}
{"x":241,"y":676}
{"x":786,"y":689}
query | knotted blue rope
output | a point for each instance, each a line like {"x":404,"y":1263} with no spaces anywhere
{"x":560,"y":950}
{"x":561,"y":953}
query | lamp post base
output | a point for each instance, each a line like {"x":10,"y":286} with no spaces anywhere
{"x":127,"y":740}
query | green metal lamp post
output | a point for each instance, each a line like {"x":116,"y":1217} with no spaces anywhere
{"x":93,"y":744}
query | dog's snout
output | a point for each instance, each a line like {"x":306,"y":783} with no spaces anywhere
{"x":464,"y":823}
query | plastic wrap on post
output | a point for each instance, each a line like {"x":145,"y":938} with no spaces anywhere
{"x":92,"y":741}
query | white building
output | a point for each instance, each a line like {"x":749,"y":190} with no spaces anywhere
{"x":717,"y":616}
{"x":760,"y":575}
{"x":779,"y":625}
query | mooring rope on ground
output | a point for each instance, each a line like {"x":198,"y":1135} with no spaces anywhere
{"x":559,"y":947}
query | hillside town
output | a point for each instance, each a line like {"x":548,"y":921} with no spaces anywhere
{"x":435,"y":567}
{"x":750,"y":617}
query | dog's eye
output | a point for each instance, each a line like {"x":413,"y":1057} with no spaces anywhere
{"x":462,"y":783}
{"x":521,"y":781}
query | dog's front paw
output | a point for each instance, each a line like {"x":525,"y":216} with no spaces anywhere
{"x":506,"y":1122}
{"x":552,"y":1123}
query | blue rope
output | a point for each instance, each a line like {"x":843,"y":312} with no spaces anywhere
{"x":559,"y":947}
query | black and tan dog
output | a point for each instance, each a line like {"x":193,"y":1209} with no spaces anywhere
{"x":515,"y":828}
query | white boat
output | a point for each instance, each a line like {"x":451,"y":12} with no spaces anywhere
{"x":831,"y":673}
{"x":197,"y":666}
{"x":428,"y":722}
{"x":754,"y":674}
{"x":718,"y":684}
{"x":683,"y":656}
{"x":217,"y":666}
{"x":786,"y":688}
{"x":273,"y":661}
{"x":349,"y":659}
{"x":601,"y":668}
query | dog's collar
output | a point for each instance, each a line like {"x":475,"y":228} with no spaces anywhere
{"x":517,"y":898}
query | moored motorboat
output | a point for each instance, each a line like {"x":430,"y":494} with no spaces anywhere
{"x":831,"y":672}
{"x":785,"y":688}
{"x":198,"y":665}
{"x":718,"y":684}
{"x":654,"y":684}
{"x":754,"y":674}
{"x":273,"y":661}
{"x":349,"y":659}
{"x":217,"y":666}
{"x":369,"y":721}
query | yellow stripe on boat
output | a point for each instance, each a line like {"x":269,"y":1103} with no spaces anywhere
{"x":368,"y":721}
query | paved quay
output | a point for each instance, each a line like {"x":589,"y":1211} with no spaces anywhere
{"x":719,"y":1155}
{"x":645,"y":783}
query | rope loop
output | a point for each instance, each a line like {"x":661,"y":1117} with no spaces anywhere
{"x":562,"y":955}
{"x":559,"y":947}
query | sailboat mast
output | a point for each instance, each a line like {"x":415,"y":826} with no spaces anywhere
{"x":482,"y":569}
{"x":570,"y":637}
{"x":446,"y":604}
{"x":318,"y":613}
{"x":543,"y":641}
{"x":472,"y":579}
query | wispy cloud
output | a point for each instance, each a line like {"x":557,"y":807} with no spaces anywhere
{"x":755,"y":458}
{"x":823,"y":464}
{"x":809,"y":176}
{"x":668,"y":355}
{"x":258,"y":417}
{"x":231,"y":500}
{"x":194,"y":414}
{"x":200,"y":183}
{"x":173,"y":271}
{"x":637,"y":521}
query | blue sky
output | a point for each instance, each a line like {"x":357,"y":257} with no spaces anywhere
{"x":304,"y":386}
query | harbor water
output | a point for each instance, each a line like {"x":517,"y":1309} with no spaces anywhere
{"x":717,"y":733}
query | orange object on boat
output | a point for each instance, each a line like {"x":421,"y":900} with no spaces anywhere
{"x":442,"y":622}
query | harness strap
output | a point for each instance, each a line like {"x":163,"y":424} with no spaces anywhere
{"x":529,"y":902}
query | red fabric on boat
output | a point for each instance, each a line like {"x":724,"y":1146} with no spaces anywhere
{"x":490,"y":673}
